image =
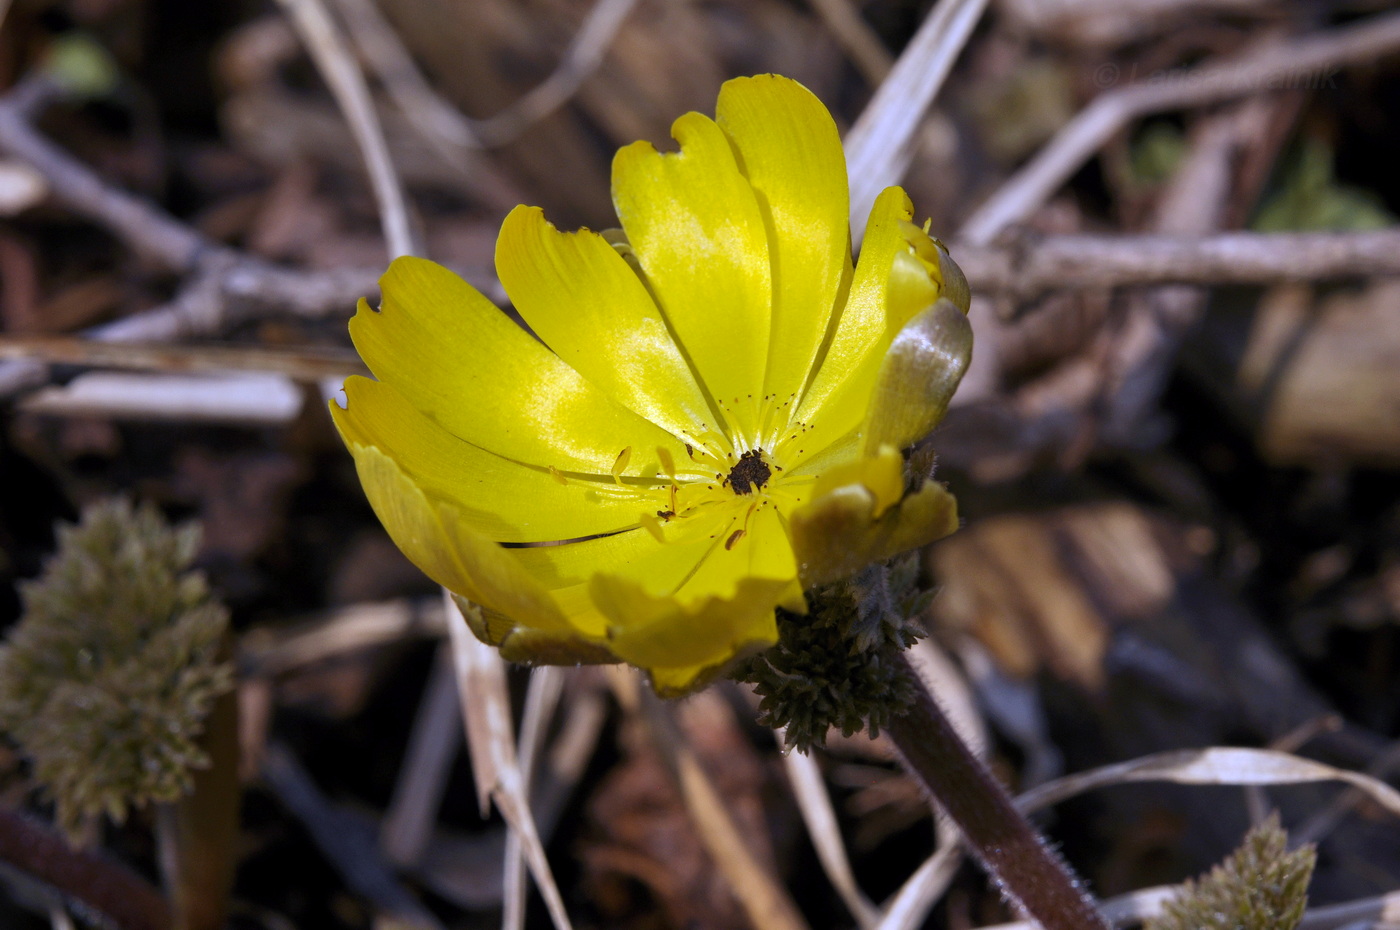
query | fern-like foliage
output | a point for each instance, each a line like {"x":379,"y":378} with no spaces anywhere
{"x":1261,"y":886}
{"x":106,"y":680}
{"x":832,"y":666}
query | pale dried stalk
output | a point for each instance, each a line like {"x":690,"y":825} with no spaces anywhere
{"x":541,"y":699}
{"x":880,"y":144}
{"x":1215,"y":765}
{"x":337,"y":65}
{"x":225,"y":286}
{"x":308,"y":364}
{"x":765,"y":902}
{"x":909,"y":906}
{"x":249,"y":398}
{"x":263,"y":653}
{"x":815,"y":804}
{"x":580,"y":60}
{"x":481,"y":684}
{"x":1238,"y":76}
{"x":439,"y":122}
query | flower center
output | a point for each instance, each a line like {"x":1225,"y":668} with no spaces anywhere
{"x":751,"y":472}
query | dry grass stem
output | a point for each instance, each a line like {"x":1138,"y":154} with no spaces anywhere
{"x":337,"y":65}
{"x":1219,"y":765}
{"x":858,"y":40}
{"x":909,"y":907}
{"x":766,"y":902}
{"x":541,"y":701}
{"x":481,"y":687}
{"x":580,"y":60}
{"x":880,"y":144}
{"x":809,"y":788}
{"x":1034,"y":265}
{"x":438,"y":121}
{"x":307,"y":364}
{"x":266,"y":654}
{"x":249,"y":399}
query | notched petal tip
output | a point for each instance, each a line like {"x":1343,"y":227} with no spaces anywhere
{"x":678,"y":642}
{"x":671,"y":683}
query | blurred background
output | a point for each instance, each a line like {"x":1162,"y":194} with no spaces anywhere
{"x":1175,"y":455}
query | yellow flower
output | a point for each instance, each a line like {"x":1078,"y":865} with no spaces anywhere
{"x":710,"y":421}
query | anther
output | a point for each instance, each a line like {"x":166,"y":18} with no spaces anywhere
{"x":751,"y":472}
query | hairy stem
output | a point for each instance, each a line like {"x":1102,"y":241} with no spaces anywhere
{"x":1018,"y":859}
{"x":111,"y":890}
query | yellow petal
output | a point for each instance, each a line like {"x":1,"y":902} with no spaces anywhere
{"x":918,"y":376}
{"x":712,"y":633}
{"x":838,"y":532}
{"x":499,"y":498}
{"x":725,"y":607}
{"x":694,"y":224}
{"x":462,"y":362}
{"x":881,"y":474}
{"x":529,"y":646}
{"x":434,"y":536}
{"x":790,"y":151}
{"x":659,"y":567}
{"x":890,"y":285}
{"x":580,"y":296}
{"x":752,"y":545}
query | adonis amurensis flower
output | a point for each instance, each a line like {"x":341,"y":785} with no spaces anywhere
{"x":711,"y":421}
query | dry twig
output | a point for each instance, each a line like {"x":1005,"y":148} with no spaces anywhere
{"x":440,"y":123}
{"x":337,"y":65}
{"x":481,"y":687}
{"x":1258,"y":69}
{"x":225,"y":286}
{"x":1029,"y":266}
{"x":307,"y":364}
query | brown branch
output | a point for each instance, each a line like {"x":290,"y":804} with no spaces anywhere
{"x":111,"y":890}
{"x":148,"y":231}
{"x":308,"y":364}
{"x":1032,"y":265}
{"x":1302,"y":62}
{"x":225,"y":286}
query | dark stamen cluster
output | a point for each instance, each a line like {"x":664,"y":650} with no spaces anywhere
{"x":751,"y":472}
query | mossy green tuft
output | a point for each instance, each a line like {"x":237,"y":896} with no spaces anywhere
{"x":107,"y":679}
{"x":1260,"y":886}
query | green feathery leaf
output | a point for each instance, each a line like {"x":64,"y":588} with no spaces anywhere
{"x":830,"y":667}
